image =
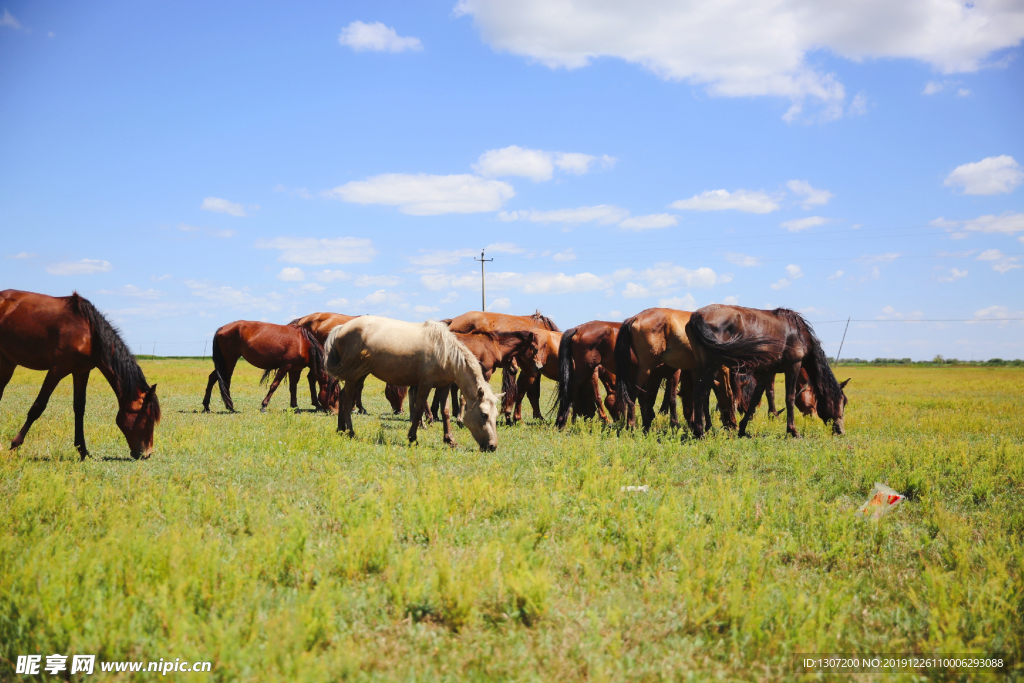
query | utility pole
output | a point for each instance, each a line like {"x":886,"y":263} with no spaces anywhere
{"x":844,"y":339}
{"x":483,"y":286}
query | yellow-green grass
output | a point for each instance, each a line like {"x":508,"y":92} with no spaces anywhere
{"x":279,"y":550}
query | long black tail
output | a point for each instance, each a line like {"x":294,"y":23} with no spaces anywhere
{"x":266,"y":375}
{"x":750,"y":351}
{"x":223,"y":381}
{"x":624,"y":365}
{"x":508,"y":385}
{"x":565,"y":371}
{"x":317,"y":356}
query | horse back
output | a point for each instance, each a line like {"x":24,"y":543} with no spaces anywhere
{"x":41,"y":332}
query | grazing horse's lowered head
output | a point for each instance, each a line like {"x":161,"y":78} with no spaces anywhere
{"x":481,"y":417}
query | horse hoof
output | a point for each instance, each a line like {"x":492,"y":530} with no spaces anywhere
{"x":263,"y":409}
{"x":205,"y":409}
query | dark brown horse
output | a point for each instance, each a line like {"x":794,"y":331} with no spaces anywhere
{"x":493,"y":350}
{"x":765,"y":343}
{"x":743,"y":389}
{"x":545,"y":364}
{"x":650,"y":340}
{"x":479,"y":321}
{"x":68,"y":336}
{"x":284,"y":348}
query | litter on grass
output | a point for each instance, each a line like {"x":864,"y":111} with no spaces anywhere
{"x":882,"y":501}
{"x":643,"y":489}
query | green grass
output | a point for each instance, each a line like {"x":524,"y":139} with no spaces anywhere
{"x":279,"y":550}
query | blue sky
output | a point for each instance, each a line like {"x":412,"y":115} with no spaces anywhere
{"x":186,"y":165}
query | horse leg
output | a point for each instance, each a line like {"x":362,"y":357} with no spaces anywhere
{"x":595,"y":382}
{"x":446,"y":414}
{"x":81,"y":380}
{"x":769,"y":393}
{"x":209,"y":390}
{"x":418,"y":406}
{"x":648,"y":398}
{"x":348,"y":396}
{"x":312,"y":391}
{"x":456,"y":403}
{"x":273,"y":387}
{"x":671,"y":399}
{"x":534,"y":395}
{"x":50,"y":383}
{"x":359,"y":397}
{"x":6,"y":372}
{"x":293,"y":385}
{"x":792,"y":374}
{"x":436,"y":405}
{"x":702,"y":382}
{"x":685,"y":393}
{"x":754,"y":398}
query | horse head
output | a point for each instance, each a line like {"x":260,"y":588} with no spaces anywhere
{"x":481,"y":416}
{"x":137,"y":418}
{"x":837,"y":420}
{"x":330,"y":395}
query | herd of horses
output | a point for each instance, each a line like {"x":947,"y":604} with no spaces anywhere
{"x":732,"y":351}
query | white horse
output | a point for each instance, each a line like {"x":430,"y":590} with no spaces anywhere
{"x":426,"y":355}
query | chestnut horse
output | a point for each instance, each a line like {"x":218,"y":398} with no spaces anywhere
{"x":68,"y":336}
{"x":480,"y":321}
{"x":492,"y":350}
{"x":424,"y":355}
{"x":321,"y":324}
{"x":545,"y":364}
{"x":285,"y":348}
{"x":765,"y":343}
{"x":656,"y":337}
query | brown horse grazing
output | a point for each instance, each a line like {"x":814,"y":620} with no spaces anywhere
{"x":321,"y":324}
{"x":545,"y":363}
{"x":493,"y":350}
{"x":395,"y":396}
{"x":582,"y":351}
{"x":479,"y":321}
{"x":650,"y":339}
{"x":765,"y":343}
{"x":743,"y":389}
{"x":284,"y":348}
{"x":68,"y":336}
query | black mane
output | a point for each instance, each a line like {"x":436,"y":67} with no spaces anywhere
{"x":109,"y":351}
{"x":545,"y":322}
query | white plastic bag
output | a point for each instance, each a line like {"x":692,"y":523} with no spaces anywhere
{"x":882,"y":501}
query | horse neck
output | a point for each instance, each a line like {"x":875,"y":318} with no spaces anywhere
{"x":114,"y":382}
{"x":467,"y":378}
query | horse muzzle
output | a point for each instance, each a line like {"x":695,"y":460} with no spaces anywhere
{"x":488,"y":448}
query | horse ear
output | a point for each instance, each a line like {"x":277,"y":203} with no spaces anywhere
{"x":842,"y":385}
{"x":151,"y":392}
{"x":498,"y":397}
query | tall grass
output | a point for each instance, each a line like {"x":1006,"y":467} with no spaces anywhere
{"x":280,"y":550}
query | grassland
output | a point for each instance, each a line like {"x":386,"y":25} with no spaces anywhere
{"x":278,"y":550}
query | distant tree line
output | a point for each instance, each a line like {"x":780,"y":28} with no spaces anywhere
{"x":938,"y":360}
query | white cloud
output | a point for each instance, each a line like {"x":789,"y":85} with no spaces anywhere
{"x":535,"y":164}
{"x":793,"y":272}
{"x":742,"y":259}
{"x":992,"y":175}
{"x":664,"y":278}
{"x":301,"y":192}
{"x":602,"y":214}
{"x":422,"y":194}
{"x":963,"y":92}
{"x":859,"y":105}
{"x":798,"y":224}
{"x":86,"y":266}
{"x":338,"y":302}
{"x":721,"y":200}
{"x":219,"y":205}
{"x":450,"y":298}
{"x":424,"y":310}
{"x":230,"y":296}
{"x":22,"y":255}
{"x":291,"y":275}
{"x":502,"y":304}
{"x":654,"y":220}
{"x":529,"y":283}
{"x":1007,"y":224}
{"x":133,"y":291}
{"x":331,"y":275}
{"x":811,"y":196}
{"x":682,"y":303}
{"x":954,"y":274}
{"x":1001,"y":263}
{"x":932,"y":87}
{"x":9,"y":21}
{"x":731,"y":301}
{"x":997,"y":313}
{"x":565,"y":255}
{"x":376,"y":37}
{"x":308,"y":288}
{"x":377,"y":281}
{"x":836,"y":275}
{"x":447,"y":257}
{"x":890,"y":313}
{"x":749,"y":48}
{"x":311,"y":251}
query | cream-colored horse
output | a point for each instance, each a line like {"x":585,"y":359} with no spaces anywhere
{"x":426,"y":355}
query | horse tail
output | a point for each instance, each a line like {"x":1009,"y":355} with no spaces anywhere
{"x":316,"y":356}
{"x":563,"y":402}
{"x":266,"y":376}
{"x":819,"y":372}
{"x":626,"y":368}
{"x":223,"y":381}
{"x":671,"y":391}
{"x":742,"y":350}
